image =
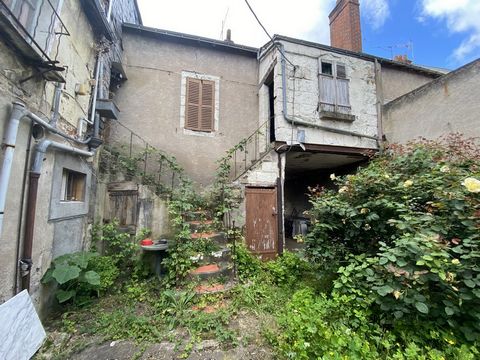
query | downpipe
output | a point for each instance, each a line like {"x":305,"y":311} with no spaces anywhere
{"x":9,"y":142}
{"x":18,"y":113}
{"x":34,"y":176}
{"x":294,"y":121}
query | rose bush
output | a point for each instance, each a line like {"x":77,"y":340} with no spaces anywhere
{"x":407,"y":227}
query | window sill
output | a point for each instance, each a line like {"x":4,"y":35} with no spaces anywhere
{"x":337,"y":116}
{"x":199,"y":133}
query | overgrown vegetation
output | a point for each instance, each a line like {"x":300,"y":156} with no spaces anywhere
{"x":391,"y":270}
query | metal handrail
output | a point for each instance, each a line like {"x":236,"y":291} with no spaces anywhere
{"x":151,"y":166}
{"x":250,"y":151}
{"x":31,"y":35}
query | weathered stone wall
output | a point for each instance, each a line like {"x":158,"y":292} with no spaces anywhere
{"x":449,"y":104}
{"x":59,"y":227}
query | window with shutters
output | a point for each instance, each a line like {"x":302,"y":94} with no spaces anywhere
{"x":334,"y":87}
{"x":199,"y":112}
{"x":200,"y":105}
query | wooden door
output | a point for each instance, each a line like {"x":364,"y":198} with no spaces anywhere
{"x":262,"y":221}
{"x":123,"y":207}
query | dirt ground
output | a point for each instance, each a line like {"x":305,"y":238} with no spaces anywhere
{"x":251,"y":345}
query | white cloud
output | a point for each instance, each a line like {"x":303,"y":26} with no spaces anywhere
{"x":305,"y":19}
{"x":461,"y":16}
{"x":376,"y":12}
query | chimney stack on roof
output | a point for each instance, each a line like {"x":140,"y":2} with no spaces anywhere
{"x":228,"y":39}
{"x":345,"y":30}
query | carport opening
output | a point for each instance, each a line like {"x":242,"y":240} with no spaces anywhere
{"x":304,"y":170}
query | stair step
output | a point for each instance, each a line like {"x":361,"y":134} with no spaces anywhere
{"x":198,"y":215}
{"x":214,"y":288}
{"x":209,"y":289}
{"x":200,"y":224}
{"x":206,"y":269}
{"x":222,"y":255}
{"x":211,"y":271}
{"x":217,"y":237}
{"x":209,"y":308}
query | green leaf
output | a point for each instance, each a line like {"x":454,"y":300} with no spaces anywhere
{"x":469,"y":283}
{"x":384,"y":290}
{"x":64,"y":273}
{"x":449,"y":311}
{"x":422,"y":307}
{"x":48,"y":276}
{"x":92,"y":277}
{"x":383,"y":261}
{"x":63,"y":295}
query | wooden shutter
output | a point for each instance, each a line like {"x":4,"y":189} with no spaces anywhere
{"x":343,"y":96}
{"x":327,"y":89}
{"x":200,"y":105}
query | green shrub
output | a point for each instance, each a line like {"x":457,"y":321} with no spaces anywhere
{"x":248,"y":266}
{"x":341,"y":327}
{"x":288,"y":268}
{"x":408,"y":227}
{"x":74,"y":278}
{"x":105,"y":267}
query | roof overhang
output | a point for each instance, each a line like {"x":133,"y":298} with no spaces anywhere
{"x":191,"y":40}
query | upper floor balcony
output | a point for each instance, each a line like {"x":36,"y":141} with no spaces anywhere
{"x":35,"y":29}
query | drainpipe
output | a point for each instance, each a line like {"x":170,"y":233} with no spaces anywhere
{"x":35,"y":171}
{"x":56,"y":104}
{"x":9,"y":142}
{"x":93,"y":119}
{"x":18,"y":113}
{"x":294,"y":121}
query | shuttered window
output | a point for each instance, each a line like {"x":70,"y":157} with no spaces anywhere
{"x":200,"y":105}
{"x":334,"y":87}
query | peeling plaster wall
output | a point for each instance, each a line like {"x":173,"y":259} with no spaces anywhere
{"x":63,"y":232}
{"x":450,"y":104}
{"x":303,"y":97}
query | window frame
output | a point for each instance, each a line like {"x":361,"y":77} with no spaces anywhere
{"x":215,"y":80}
{"x":78,"y":179}
{"x":336,"y":79}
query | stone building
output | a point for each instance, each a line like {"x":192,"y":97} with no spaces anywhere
{"x":59,"y":60}
{"x":450,"y":103}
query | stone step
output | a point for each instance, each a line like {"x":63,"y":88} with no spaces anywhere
{"x":198,"y":215}
{"x":214,"y":288}
{"x":211,"y":271}
{"x":199,"y":225}
{"x":217,"y":237}
{"x":221,"y":255}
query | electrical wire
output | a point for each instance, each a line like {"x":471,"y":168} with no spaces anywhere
{"x":266,"y":32}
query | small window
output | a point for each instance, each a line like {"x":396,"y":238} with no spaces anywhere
{"x":327,"y":68}
{"x":200,"y":105}
{"x":341,"y":71}
{"x":73,"y":186}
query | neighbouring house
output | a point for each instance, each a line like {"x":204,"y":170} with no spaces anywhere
{"x":450,"y":103}
{"x":59,"y":61}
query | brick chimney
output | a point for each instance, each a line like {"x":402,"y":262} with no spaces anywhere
{"x":345,"y":31}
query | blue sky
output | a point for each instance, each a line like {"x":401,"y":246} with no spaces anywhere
{"x":444,"y":33}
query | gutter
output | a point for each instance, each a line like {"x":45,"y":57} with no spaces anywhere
{"x":34,"y":176}
{"x":294,"y":121}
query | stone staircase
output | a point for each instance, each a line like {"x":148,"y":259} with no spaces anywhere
{"x":213,"y":271}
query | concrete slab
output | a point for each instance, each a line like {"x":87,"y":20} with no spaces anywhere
{"x":21,"y":332}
